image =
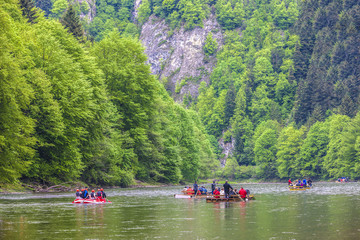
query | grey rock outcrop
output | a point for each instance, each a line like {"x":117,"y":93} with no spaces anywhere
{"x":177,"y":57}
{"x":227,"y":150}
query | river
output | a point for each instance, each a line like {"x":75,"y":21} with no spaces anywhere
{"x":327,"y":211}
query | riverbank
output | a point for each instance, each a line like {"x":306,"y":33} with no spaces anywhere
{"x":21,"y":188}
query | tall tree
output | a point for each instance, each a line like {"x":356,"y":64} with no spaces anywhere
{"x":71,"y":21}
{"x":288,"y":149}
{"x":16,"y":127}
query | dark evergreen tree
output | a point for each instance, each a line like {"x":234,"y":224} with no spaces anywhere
{"x":28,"y":10}
{"x":71,"y":21}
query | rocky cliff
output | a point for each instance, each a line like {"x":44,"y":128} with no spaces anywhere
{"x":177,"y":56}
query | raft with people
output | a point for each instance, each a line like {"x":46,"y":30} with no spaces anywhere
{"x":299,"y":185}
{"x":189,"y":192}
{"x":342,"y":180}
{"x":83,"y":196}
{"x":227,"y":193}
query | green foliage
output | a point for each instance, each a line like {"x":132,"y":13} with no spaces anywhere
{"x":189,"y":12}
{"x":334,"y":163}
{"x":165,"y":144}
{"x":16,"y":127}
{"x":265,"y":141}
{"x":325,"y":61}
{"x":313,"y":150}
{"x":84,"y":7}
{"x":94,"y":114}
{"x":288,"y":148}
{"x":347,"y":161}
{"x":285,"y":16}
{"x":210,"y":46}
{"x":114,"y":121}
{"x":114,"y":14}
{"x":180,"y":85}
{"x":227,"y":136}
{"x":144,"y":11}
{"x":230,"y":14}
{"x":59,"y":7}
{"x":231,"y":169}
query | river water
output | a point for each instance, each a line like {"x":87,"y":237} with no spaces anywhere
{"x":327,"y":211}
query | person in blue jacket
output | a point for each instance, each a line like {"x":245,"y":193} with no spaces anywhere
{"x":195,"y":188}
{"x":204,"y":191}
{"x":85,"y":193}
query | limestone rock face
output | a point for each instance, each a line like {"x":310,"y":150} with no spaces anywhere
{"x":227,"y":150}
{"x":177,"y":57}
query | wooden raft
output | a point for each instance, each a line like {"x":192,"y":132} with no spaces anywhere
{"x":231,"y":199}
{"x":298,"y":188}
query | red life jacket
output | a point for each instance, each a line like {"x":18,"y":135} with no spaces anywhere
{"x":217,"y":194}
{"x":242,"y":193}
{"x":190,"y":191}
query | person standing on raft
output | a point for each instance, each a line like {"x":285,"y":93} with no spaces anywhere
{"x":213,"y":185}
{"x":227,"y":187}
{"x":195,"y":188}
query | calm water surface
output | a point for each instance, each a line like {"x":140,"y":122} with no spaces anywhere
{"x":328,"y":211}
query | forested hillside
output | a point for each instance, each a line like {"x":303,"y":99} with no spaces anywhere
{"x":71,"y":110}
{"x":283,"y":95}
{"x":269,"y":88}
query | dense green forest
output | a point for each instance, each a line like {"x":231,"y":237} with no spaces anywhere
{"x":78,"y":101}
{"x":286,"y":92}
{"x":93,"y":112}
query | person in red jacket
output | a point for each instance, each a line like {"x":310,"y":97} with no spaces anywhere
{"x":216,"y":193}
{"x":242,"y":193}
{"x":289,"y":182}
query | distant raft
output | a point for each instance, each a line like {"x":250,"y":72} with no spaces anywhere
{"x":230,"y":199}
{"x":299,"y":188}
